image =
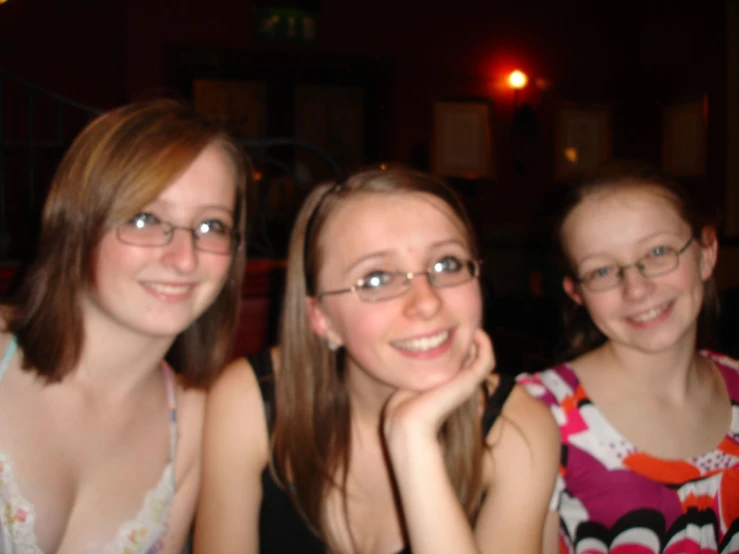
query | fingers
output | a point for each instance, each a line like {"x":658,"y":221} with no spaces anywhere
{"x":430,"y":408}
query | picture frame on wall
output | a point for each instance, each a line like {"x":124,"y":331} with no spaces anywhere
{"x":241,"y":104}
{"x":684,"y":137}
{"x":463,"y":139}
{"x":583,"y":139}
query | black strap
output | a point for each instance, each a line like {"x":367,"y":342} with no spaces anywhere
{"x":494,"y":405}
{"x":261,"y":362}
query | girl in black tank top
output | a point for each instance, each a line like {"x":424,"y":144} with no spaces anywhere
{"x":382,"y":428}
{"x":281,"y":529}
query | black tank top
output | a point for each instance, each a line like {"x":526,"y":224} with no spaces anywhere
{"x":281,"y":529}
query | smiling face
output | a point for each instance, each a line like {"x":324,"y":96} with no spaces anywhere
{"x":617,"y":228}
{"x":413,"y":341}
{"x":160,"y":290}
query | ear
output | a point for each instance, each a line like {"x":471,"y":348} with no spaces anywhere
{"x":321,"y":323}
{"x":572,"y":289}
{"x":709,"y":252}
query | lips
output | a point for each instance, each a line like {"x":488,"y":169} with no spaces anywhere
{"x":423,"y":344}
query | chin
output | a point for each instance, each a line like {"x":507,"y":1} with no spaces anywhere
{"x":431,"y":381}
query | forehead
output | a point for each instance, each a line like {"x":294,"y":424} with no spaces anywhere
{"x":392,"y":222}
{"x":621,"y":217}
{"x":209,"y":180}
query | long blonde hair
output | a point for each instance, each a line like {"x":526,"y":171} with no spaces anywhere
{"x":312,"y":432}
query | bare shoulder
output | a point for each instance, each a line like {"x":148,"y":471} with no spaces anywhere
{"x":236,"y":386}
{"x":525,"y":425}
{"x":520,"y":474}
{"x":235,"y":409}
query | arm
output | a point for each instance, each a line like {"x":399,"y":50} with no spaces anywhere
{"x":524,"y":446}
{"x":435,"y":520}
{"x":235,"y":451}
{"x":551,"y":534}
{"x":190,"y":411}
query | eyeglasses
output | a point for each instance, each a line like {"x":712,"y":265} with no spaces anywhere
{"x":148,"y":230}
{"x":386,"y":285}
{"x":658,"y":261}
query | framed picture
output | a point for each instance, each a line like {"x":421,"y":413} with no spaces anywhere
{"x":684,"y":138}
{"x":583,"y":139}
{"x":462,"y":140}
{"x":242,"y":104}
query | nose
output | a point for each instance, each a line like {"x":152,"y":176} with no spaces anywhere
{"x":180,"y":253}
{"x":423,"y":299}
{"x":634,"y":284}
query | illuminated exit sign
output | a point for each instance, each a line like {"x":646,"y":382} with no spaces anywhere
{"x":284,"y":25}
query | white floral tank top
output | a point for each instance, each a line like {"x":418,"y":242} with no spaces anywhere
{"x":144,"y":534}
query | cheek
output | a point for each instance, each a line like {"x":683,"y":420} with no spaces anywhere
{"x":110,"y":258}
{"x":465,"y":304}
{"x":600,"y":305}
{"x":362,"y":326}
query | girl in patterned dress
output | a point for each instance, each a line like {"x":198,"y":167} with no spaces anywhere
{"x":649,"y":424}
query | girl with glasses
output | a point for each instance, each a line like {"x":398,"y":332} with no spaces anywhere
{"x":382,"y":428}
{"x":649,"y":424}
{"x":138,"y":274}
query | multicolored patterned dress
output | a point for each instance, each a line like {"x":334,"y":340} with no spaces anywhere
{"x":614,"y":498}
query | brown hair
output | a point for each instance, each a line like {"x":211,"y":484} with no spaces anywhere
{"x":119,"y":163}
{"x":312,"y":432}
{"x":581,"y":334}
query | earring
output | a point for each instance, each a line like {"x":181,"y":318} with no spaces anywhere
{"x":333,"y":346}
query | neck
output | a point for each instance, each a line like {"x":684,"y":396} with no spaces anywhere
{"x":118,"y":361}
{"x":671,"y":372}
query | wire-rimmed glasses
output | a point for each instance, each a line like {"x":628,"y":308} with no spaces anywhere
{"x":385,"y":285}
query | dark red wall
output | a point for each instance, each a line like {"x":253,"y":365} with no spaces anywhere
{"x":634,"y":57}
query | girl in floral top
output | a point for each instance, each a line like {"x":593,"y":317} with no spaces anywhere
{"x":649,"y":424}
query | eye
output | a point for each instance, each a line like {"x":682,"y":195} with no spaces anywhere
{"x":447,"y":264}
{"x":143,"y":220}
{"x":377,"y":279}
{"x":215,"y":226}
{"x":599,"y":273}
{"x":659,"y":251}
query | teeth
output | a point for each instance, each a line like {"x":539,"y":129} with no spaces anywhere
{"x":168,"y":289}
{"x":649,"y":314}
{"x":423,"y":344}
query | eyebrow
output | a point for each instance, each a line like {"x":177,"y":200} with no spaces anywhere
{"x":160,"y":202}
{"x":385,"y":253}
{"x":642,"y":242}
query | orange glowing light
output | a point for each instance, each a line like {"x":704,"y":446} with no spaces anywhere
{"x":517,"y":79}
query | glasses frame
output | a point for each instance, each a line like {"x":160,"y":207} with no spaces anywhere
{"x":474,"y":267}
{"x":639,"y":264}
{"x":194,"y":233}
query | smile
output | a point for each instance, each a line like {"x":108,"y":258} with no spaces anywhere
{"x":651,"y":314}
{"x":169,"y":291}
{"x":423,"y":344}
